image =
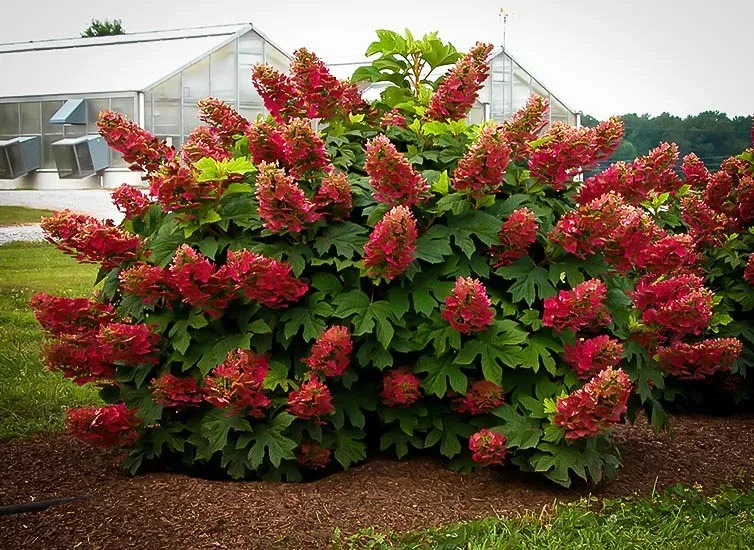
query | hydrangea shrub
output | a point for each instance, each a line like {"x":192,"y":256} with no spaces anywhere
{"x":343,"y":277}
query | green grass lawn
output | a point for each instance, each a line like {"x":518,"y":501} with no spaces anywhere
{"x":15,"y":215}
{"x":680,"y":519}
{"x":31,"y":398}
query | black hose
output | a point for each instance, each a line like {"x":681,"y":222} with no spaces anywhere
{"x":37,"y":505}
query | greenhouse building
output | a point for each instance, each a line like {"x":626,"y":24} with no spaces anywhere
{"x":53,"y":90}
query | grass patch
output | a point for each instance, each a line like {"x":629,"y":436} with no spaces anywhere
{"x":681,"y":518}
{"x":31,"y":398}
{"x":15,"y":215}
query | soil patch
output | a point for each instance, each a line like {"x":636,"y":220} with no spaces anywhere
{"x":161,"y":510}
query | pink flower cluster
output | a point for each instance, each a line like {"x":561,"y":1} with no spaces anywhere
{"x":312,"y":455}
{"x":176,"y":392}
{"x":204,"y":142}
{"x":283,"y":206}
{"x":333,"y":197}
{"x":749,"y":270}
{"x":130,"y":344}
{"x":90,"y":240}
{"x":482,"y":397}
{"x":266,"y":142}
{"x":458,"y":90}
{"x":236,"y":384}
{"x":699,"y":360}
{"x":303,"y":149}
{"x":394,"y":180}
{"x":481,"y":170}
{"x":696,"y":173}
{"x":197,"y":281}
{"x":391,"y":245}
{"x":581,"y":308}
{"x":129,"y":200}
{"x":139,"y":148}
{"x":60,"y":315}
{"x":153,"y":284}
{"x":566,"y":151}
{"x":311,"y":401}
{"x":331,"y":352}
{"x":400,"y":388}
{"x":109,"y":426}
{"x":468,"y":308}
{"x":516,"y":235}
{"x":705,"y":226}
{"x":525,"y":126}
{"x":595,"y":407}
{"x":589,"y":356}
{"x":223,"y":118}
{"x":488,"y":447}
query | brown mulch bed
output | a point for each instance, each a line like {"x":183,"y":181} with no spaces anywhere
{"x":161,"y":510}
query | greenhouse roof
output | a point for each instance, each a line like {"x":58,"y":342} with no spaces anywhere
{"x":125,"y":63}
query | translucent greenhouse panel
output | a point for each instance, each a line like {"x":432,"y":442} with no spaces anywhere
{"x":476,"y":115}
{"x":93,"y":108}
{"x":250,"y":113}
{"x":196,"y":82}
{"x":558,"y":112}
{"x":31,"y":118}
{"x":276,"y":58}
{"x":497,"y":87}
{"x":190,"y":119}
{"x":148,"y":124}
{"x":250,"y":52}
{"x":50,"y":132}
{"x":223,"y":74}
{"x":537,"y":88}
{"x":521,"y":87}
{"x":167,"y":109}
{"x":9,"y":119}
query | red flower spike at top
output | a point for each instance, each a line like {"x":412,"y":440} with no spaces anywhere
{"x":516,"y":234}
{"x":151,"y":283}
{"x":205,"y":142}
{"x":467,"y":307}
{"x":131,"y":345}
{"x":482,"y":397}
{"x":304,"y":149}
{"x":129,"y":200}
{"x":671,"y":254}
{"x":680,"y":305}
{"x":265,"y":280}
{"x":334,"y":196}
{"x":581,"y":308}
{"x":393,"y":118}
{"x":318,"y":88}
{"x":266,"y":142}
{"x":75,"y":316}
{"x":699,"y":360}
{"x":588,"y":357}
{"x":283,"y":206}
{"x":178,"y":392}
{"x":312,"y":455}
{"x":139,"y":148}
{"x":596,"y":407}
{"x":749,"y":270}
{"x":525,"y":125}
{"x":90,"y":239}
{"x":236,"y":384}
{"x":109,"y":426}
{"x":278,"y":92}
{"x":223,"y":118}
{"x":456,"y":94}
{"x":482,"y":169}
{"x":488,"y":447}
{"x":196,"y":280}
{"x":331,"y":352}
{"x":393,"y":178}
{"x":392,"y":243}
{"x":696,"y":173}
{"x":400,"y":388}
{"x":311,"y":401}
{"x":79,"y":357}
{"x":706,"y":227}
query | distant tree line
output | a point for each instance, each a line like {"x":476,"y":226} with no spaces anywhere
{"x":712,"y":135}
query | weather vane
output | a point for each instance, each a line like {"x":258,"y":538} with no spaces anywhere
{"x":504,"y":18}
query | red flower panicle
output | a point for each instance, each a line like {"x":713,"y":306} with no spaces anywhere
{"x":266,"y":143}
{"x":131,"y":345}
{"x":393,"y":118}
{"x":151,"y":283}
{"x":488,"y":447}
{"x":197,"y":281}
{"x":699,"y":360}
{"x":265,"y":280}
{"x":129,"y":200}
{"x":318,"y":89}
{"x":525,"y":125}
{"x":278,"y":93}
{"x":205,"y":142}
{"x":79,"y":357}
{"x":581,"y":308}
{"x":331,"y":352}
{"x":467,"y":307}
{"x":695,"y":172}
{"x":678,"y":305}
{"x":334,"y":196}
{"x":236,"y":384}
{"x":89,"y":239}
{"x":459,"y":88}
{"x":393,"y":178}
{"x":596,"y":407}
{"x":311,"y":401}
{"x":226,"y":121}
{"x":304,"y":149}
{"x":482,"y":169}
{"x":139,"y":148}
{"x":312,"y":455}
{"x":392,"y":243}
{"x":175,"y":391}
{"x":482,"y":397}
{"x":588,"y":357}
{"x":73,"y":316}
{"x":749,"y":270}
{"x":109,"y":426}
{"x":670,"y":254}
{"x":283,"y":206}
{"x":705,"y":226}
{"x":400,"y":388}
{"x":516,"y":234}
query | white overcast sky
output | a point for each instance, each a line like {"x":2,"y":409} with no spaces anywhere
{"x":599,"y":56}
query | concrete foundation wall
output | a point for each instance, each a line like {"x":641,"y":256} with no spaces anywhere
{"x":48,"y":180}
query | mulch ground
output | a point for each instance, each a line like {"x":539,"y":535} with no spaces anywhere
{"x":162,"y":510}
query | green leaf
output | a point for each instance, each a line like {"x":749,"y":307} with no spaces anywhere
{"x":310,"y":317}
{"x":441,"y":184}
{"x":520,"y":430}
{"x":347,"y":238}
{"x":440,"y":372}
{"x":540,"y":349}
{"x":530,"y":281}
{"x":327,"y":283}
{"x":269,"y":438}
{"x":277,"y":377}
{"x":356,"y":303}
{"x":434,"y":245}
{"x":215,"y":428}
{"x":407,"y":418}
{"x":349,"y":405}
{"x":497,"y":347}
{"x":219,"y":350}
{"x":349,"y":449}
